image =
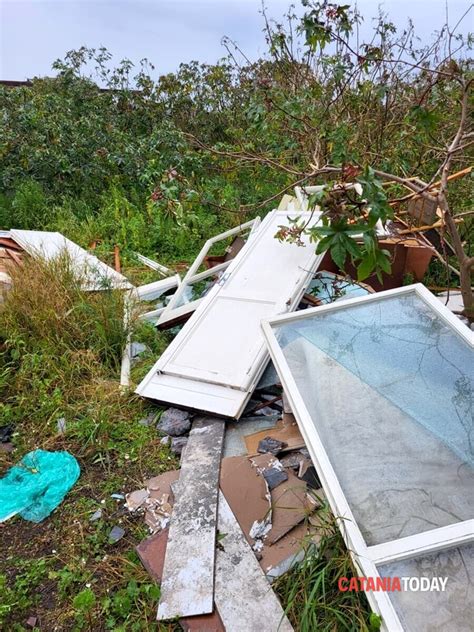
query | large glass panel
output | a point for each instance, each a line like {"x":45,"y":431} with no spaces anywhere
{"x":389,"y":387}
{"x":448,"y":610}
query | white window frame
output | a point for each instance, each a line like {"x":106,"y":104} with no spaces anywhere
{"x":172,"y":310}
{"x":154,"y":265}
{"x":366,"y":558}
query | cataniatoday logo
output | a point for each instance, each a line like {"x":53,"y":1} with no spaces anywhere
{"x":392,"y":584}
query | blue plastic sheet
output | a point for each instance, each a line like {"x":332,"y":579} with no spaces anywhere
{"x":37,"y":485}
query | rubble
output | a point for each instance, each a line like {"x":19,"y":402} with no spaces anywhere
{"x":178,"y":444}
{"x":174,"y":422}
{"x":97,"y":515}
{"x":274,"y":477}
{"x":61,"y":425}
{"x":269,"y":444}
{"x":116,"y":534}
{"x":269,"y":490}
{"x":137,"y":349}
{"x":6,"y":433}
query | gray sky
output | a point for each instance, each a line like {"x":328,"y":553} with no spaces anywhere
{"x":33,"y":33}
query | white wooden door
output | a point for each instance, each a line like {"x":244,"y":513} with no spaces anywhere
{"x":220,"y":353}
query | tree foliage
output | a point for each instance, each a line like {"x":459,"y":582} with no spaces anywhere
{"x":109,"y":154}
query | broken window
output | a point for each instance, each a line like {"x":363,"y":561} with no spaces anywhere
{"x":383,"y":385}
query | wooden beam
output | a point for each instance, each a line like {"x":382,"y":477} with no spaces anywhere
{"x":187,"y":588}
{"x":243,"y":596}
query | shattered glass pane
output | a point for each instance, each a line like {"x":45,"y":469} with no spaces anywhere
{"x":449,"y":610}
{"x":389,"y":387}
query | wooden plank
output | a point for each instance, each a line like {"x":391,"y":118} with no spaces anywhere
{"x":187,"y":588}
{"x":152,"y":555}
{"x":243,"y":595}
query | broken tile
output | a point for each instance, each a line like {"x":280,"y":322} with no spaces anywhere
{"x":161,"y":484}
{"x":152,"y":555}
{"x":292,"y":460}
{"x":135,"y":500}
{"x":235,"y":431}
{"x":286,"y":430}
{"x":289,"y":507}
{"x":97,"y":515}
{"x":203,"y":623}
{"x":31,"y":622}
{"x":269,"y":444}
{"x":6,"y":433}
{"x":188,"y":572}
{"x":242,"y":594}
{"x":174,"y":422}
{"x":246,"y":493}
{"x":311,"y":477}
{"x":274,"y":477}
{"x":116,"y":534}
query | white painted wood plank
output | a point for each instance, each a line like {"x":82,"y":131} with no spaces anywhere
{"x":219,"y":400}
{"x":187,"y":587}
{"x":154,"y":265}
{"x":156,"y":288}
{"x":243,"y":595}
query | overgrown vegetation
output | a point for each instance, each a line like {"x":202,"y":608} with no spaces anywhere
{"x":310,"y":590}
{"x":111,"y":156}
{"x":60,"y":359}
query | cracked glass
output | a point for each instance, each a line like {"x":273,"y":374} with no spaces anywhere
{"x":448,"y":610}
{"x":389,"y":386}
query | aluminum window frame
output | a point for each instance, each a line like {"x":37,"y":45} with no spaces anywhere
{"x":366,"y":558}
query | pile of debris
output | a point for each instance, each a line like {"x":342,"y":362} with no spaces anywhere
{"x":243,"y":507}
{"x":250,"y":514}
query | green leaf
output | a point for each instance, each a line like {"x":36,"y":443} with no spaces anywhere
{"x":383,"y":261}
{"x":365,"y":267}
{"x":325,"y":244}
{"x":375,"y":621}
{"x":339,"y":254}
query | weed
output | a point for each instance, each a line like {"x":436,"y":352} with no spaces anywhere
{"x":309,"y":591}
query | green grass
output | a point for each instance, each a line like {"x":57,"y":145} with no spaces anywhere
{"x":60,"y":357}
{"x":309,"y":591}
